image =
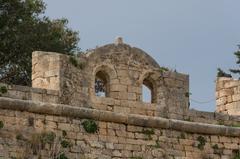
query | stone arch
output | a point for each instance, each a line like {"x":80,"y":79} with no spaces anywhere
{"x":103,"y":75}
{"x":148,"y":81}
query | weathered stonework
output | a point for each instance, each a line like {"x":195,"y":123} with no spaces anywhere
{"x":47,"y":121}
{"x":228,"y":96}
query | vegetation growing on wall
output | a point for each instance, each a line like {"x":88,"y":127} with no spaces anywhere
{"x":187,"y":94}
{"x":66,"y":144}
{"x":90,"y":126}
{"x":217,"y":150}
{"x":157,"y":145}
{"x":148,"y":133}
{"x":76,"y":62}
{"x":1,"y":124}
{"x":3,"y":90}
{"x":163,"y":69}
{"x":237,"y":156}
{"x":201,"y":142}
{"x":37,"y":142}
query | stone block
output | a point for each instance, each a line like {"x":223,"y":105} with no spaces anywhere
{"x":118,"y":88}
{"x":225,"y":92}
{"x":120,"y":109}
{"x":230,"y":84}
{"x":221,"y":101}
{"x":236,"y":97}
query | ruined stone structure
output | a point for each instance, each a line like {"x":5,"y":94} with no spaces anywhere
{"x":91,"y":106}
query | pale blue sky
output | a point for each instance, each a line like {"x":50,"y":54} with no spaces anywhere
{"x":193,"y":36}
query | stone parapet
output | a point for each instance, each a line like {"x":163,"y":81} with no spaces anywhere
{"x":31,"y":129}
{"x":29,"y":93}
{"x":132,"y":119}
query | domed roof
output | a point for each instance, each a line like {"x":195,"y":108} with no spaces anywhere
{"x":122,"y":53}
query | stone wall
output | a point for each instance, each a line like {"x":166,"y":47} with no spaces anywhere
{"x":61,"y":117}
{"x":228,"y":96}
{"x":126,"y":68}
{"x":29,"y":93}
{"x":32,"y":129}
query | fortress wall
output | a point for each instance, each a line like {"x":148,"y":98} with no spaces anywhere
{"x":48,"y":119}
{"x":29,"y":93}
{"x":26,"y":123}
{"x":130,"y":107}
{"x":228,"y":96}
{"x":126,"y":74}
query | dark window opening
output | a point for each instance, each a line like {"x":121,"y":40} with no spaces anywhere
{"x":101,"y":84}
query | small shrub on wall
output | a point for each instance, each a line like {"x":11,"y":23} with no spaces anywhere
{"x":1,"y":124}
{"x":90,"y":126}
{"x":3,"y":90}
{"x":35,"y":143}
{"x":202,"y":142}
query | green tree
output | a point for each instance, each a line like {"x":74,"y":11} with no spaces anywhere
{"x":236,"y":71}
{"x":221,"y":73}
{"x":24,"y":29}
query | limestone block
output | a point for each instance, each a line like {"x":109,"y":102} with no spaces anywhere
{"x":132,"y":147}
{"x":224,"y":139}
{"x":115,"y":95}
{"x":229,"y":99}
{"x":120,"y":109}
{"x":119,"y":146}
{"x":113,"y":126}
{"x":133,"y":89}
{"x":236,"y":97}
{"x":130,"y":135}
{"x":123,"y":96}
{"x":227,"y":152}
{"x":138,"y":111}
{"x":134,"y":128}
{"x":230,"y":84}
{"x":236,"y":90}
{"x":117,"y":153}
{"x":132,"y":96}
{"x":96,"y":144}
{"x":64,"y":126}
{"x":50,"y":98}
{"x":220,"y":85}
{"x":231,"y":146}
{"x":102,"y":125}
{"x":114,"y":81}
{"x":118,"y":88}
{"x":126,"y":81}
{"x":122,"y":73}
{"x":225,"y":92}
{"x":214,"y":139}
{"x":126,"y":153}
{"x":221,"y":101}
{"x":110,"y":146}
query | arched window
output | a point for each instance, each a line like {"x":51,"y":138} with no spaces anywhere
{"x":148,"y":93}
{"x":101,"y":84}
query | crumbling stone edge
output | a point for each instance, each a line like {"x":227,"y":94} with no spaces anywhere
{"x":131,"y":119}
